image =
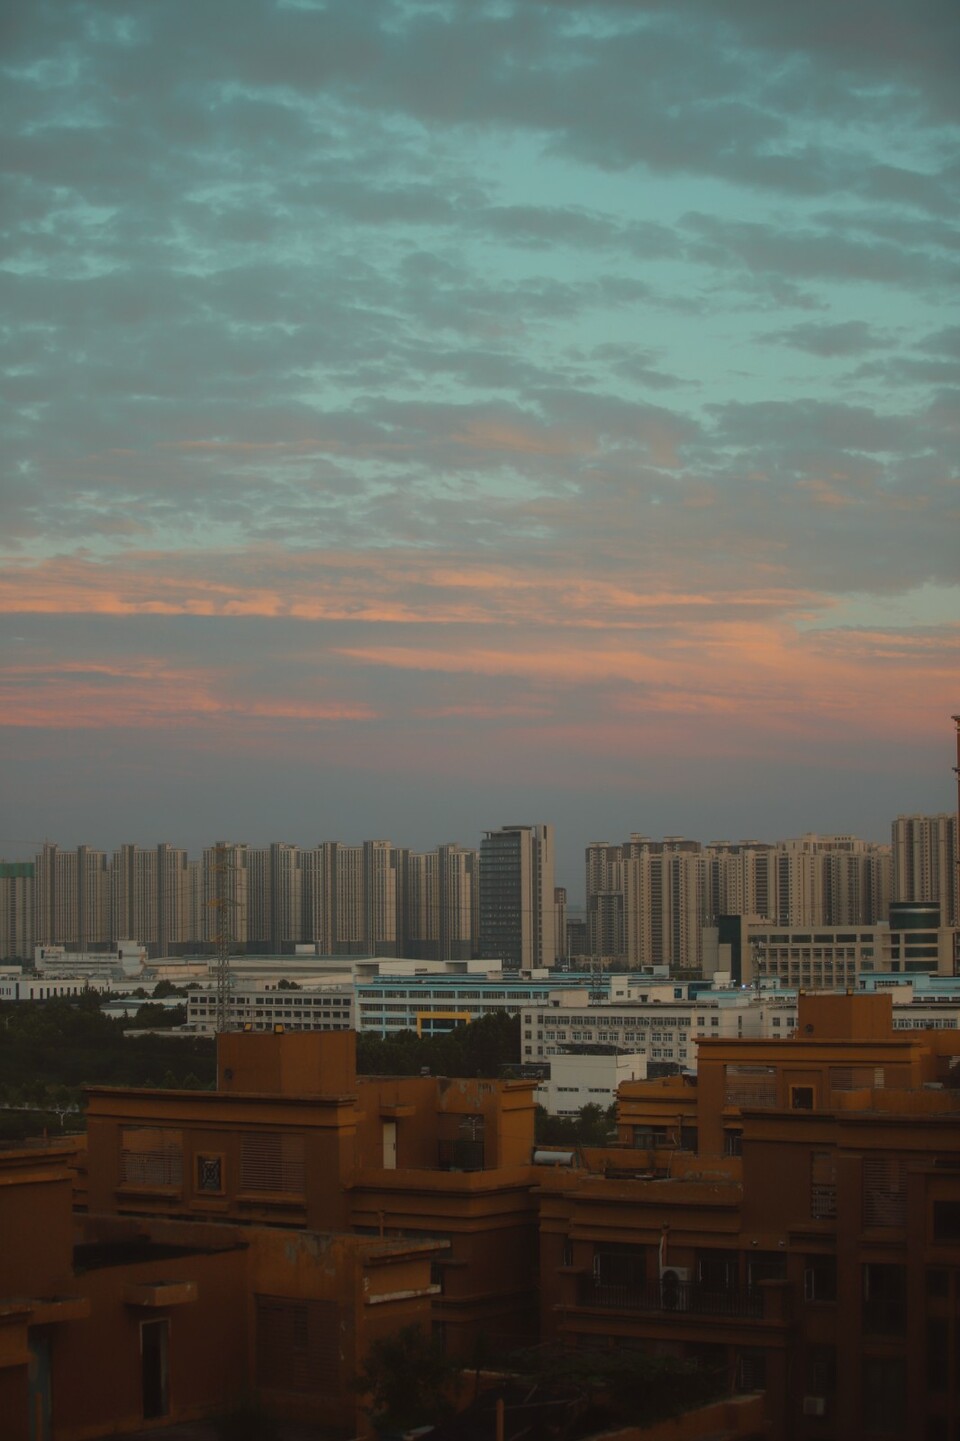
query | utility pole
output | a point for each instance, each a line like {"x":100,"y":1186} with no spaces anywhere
{"x":956,"y":934}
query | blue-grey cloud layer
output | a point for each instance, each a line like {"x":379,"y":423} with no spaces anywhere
{"x":625,"y":294}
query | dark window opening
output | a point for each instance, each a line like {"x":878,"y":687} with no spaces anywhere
{"x":765,"y":1266}
{"x":884,"y":1299}
{"x":946,"y":1220}
{"x":155,"y":1368}
{"x":820,"y":1278}
{"x":938,"y":1355}
{"x":884,"y":1394}
{"x":822,"y":1370}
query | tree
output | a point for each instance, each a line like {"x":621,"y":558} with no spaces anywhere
{"x":592,"y":1126}
{"x":621,"y":1385}
{"x":407,"y":1379}
{"x":151,"y":1015}
{"x":482,"y":1048}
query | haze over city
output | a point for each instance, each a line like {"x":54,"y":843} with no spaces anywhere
{"x":426,"y":417}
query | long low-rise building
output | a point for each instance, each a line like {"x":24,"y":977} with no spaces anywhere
{"x":16,"y":986}
{"x":383,"y":996}
{"x":126,"y":958}
{"x":661,"y":1029}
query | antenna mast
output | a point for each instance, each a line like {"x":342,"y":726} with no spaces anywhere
{"x":223,"y":901}
{"x":956,"y":857}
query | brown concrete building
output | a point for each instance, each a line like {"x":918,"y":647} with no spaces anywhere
{"x":291,"y":1137}
{"x":791,"y":1218}
{"x":113,"y":1322}
{"x":248,"y":1244}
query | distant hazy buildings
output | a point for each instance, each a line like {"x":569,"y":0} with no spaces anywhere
{"x":72,"y":897}
{"x":442,"y":903}
{"x":648,"y":901}
{"x":16,"y":909}
{"x":152,"y":896}
{"x":645,"y":902}
{"x":373,"y":899}
{"x":517,"y":902}
{"x":925,"y":863}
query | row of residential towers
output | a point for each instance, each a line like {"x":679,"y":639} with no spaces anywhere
{"x":377,"y":899}
{"x":646,"y":900}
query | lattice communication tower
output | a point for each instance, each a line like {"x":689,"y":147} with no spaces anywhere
{"x":224,"y":901}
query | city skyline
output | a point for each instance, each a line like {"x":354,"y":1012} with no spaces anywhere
{"x":572,"y":851}
{"x":646,"y":900}
{"x":423,"y":414}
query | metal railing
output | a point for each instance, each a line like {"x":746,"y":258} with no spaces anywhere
{"x":676,"y":1297}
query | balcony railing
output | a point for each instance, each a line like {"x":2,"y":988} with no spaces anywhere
{"x":677,"y":1297}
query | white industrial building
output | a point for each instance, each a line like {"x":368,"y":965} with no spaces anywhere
{"x":576,"y":1081}
{"x":655,"y":1025}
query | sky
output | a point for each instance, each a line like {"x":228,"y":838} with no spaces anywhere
{"x":423,"y":417}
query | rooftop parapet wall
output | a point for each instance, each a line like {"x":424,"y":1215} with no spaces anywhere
{"x":849,"y":1017}
{"x":309,"y":1063}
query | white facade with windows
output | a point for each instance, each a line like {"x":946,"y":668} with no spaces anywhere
{"x":656,"y":1030}
{"x":578,"y":1081}
{"x":17,"y":987}
{"x":314,"y":1008}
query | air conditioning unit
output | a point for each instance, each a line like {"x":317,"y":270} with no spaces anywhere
{"x":814,"y":1405}
{"x":674,"y":1289}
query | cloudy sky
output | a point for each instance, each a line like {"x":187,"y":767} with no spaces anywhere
{"x":426,"y":416}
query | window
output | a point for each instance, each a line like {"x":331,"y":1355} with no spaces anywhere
{"x":151,"y":1156}
{"x":946,"y":1220}
{"x":272,"y":1161}
{"x":822,"y":1370}
{"x":884,"y":1299}
{"x":155,"y":1368}
{"x":718,"y":1272}
{"x":820,"y":1278}
{"x":938,"y":1283}
{"x":619,"y":1264}
{"x":801,"y":1098}
{"x":297,"y":1344}
{"x":753,"y":1086}
{"x":884,"y":1394}
{"x":646,"y":1138}
{"x":752,"y":1370}
{"x":884,"y":1191}
{"x":938,"y":1354}
{"x":823,"y":1185}
{"x":765,"y":1266}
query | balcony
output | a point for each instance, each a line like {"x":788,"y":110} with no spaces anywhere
{"x":681,"y":1297}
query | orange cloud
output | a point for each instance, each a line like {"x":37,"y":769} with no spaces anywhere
{"x":520,"y":440}
{"x":575,"y":655}
{"x":379,"y":588}
{"x":144,"y":693}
